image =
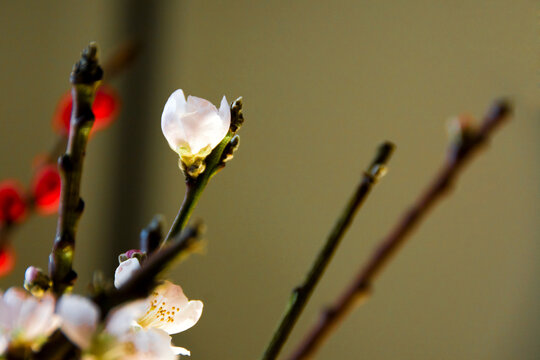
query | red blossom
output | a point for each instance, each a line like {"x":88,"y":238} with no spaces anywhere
{"x":7,"y":260}
{"x":46,"y":189}
{"x":105,"y":108}
{"x":12,"y":202}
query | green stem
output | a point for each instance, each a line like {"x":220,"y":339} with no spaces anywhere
{"x":195,"y":187}
{"x":301,"y":294}
{"x":193,"y":193}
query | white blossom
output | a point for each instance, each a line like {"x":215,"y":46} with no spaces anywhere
{"x":80,"y":318}
{"x":194,"y":127}
{"x":141,"y":329}
{"x":26,"y":320}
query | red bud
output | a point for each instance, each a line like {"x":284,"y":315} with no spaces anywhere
{"x":105,"y":107}
{"x":46,"y":189}
{"x":7,"y":260}
{"x":12,"y":202}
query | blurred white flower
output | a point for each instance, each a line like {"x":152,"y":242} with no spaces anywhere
{"x":149,"y":344}
{"x":194,"y":127}
{"x":80,"y":318}
{"x":26,"y":320}
{"x":141,"y":328}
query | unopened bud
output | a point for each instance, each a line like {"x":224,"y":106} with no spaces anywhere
{"x":230,"y":149}
{"x":134,"y":253}
{"x":36,"y":281}
{"x":461,"y":130}
{"x":237,"y":117}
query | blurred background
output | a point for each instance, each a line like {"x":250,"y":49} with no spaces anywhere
{"x":323,"y":84}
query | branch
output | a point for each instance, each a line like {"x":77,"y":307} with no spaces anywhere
{"x":460,"y":153}
{"x":120,"y":60}
{"x":142,"y":283}
{"x":301,"y":294}
{"x":85,"y":77}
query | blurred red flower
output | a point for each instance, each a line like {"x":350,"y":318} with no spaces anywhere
{"x":7,"y":260}
{"x":46,"y":189}
{"x":105,"y":108}
{"x":12,"y":202}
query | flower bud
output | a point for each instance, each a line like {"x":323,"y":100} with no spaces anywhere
{"x":12,"y":202}
{"x":36,"y":281}
{"x":133,"y":253}
{"x":461,"y":130}
{"x":46,"y":189}
{"x":230,"y":149}
{"x":193,"y":128}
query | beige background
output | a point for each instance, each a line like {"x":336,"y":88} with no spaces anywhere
{"x":323,"y":83}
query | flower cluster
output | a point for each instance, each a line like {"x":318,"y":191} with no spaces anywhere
{"x":136,"y":330}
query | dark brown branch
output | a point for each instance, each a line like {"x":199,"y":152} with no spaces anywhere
{"x":145,"y":280}
{"x":460,"y":153}
{"x":85,"y":77}
{"x":302,"y":293}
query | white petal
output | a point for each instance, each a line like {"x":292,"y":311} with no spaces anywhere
{"x":26,"y":317}
{"x":202,"y":127}
{"x":37,"y":317}
{"x":225,"y":113}
{"x":125,"y":270}
{"x":14,"y":298}
{"x":3,"y":343}
{"x":79,"y":318}
{"x":123,"y":318}
{"x":152,"y":344}
{"x":171,"y":126}
{"x":171,"y":310}
{"x":197,"y":104}
{"x":12,"y":305}
{"x":180,"y":351}
{"x":195,"y":124}
{"x":186,"y":318}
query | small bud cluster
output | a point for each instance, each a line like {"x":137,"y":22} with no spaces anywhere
{"x":130,"y":254}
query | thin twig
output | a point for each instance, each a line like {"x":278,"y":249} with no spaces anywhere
{"x":302,"y":293}
{"x":85,"y":77}
{"x":145,"y":280}
{"x":359,"y":289}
